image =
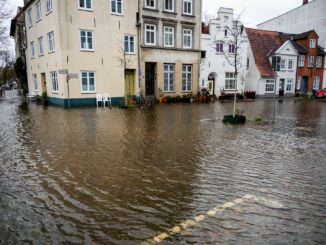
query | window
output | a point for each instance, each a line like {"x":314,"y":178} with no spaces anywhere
{"x":35,"y":82}
{"x":41,"y":46}
{"x":187,"y":7}
{"x":311,"y":61}
{"x":269,"y":86}
{"x":318,"y":61}
{"x":150,"y":4}
{"x":168,"y":36}
{"x":290,"y":65}
{"x":54,"y":80}
{"x":219,"y":47}
{"x":187,"y":38}
{"x":48,"y":6}
{"x":231,"y":48}
{"x":169,"y":5}
{"x":301,"y":60}
{"x":316,"y":84}
{"x":248,"y":63}
{"x":230,"y":82}
{"x":129,"y":44}
{"x":32,"y":49}
{"x":38,"y":10}
{"x":283,"y":65}
{"x":85,"y":4}
{"x":116,"y":7}
{"x":168,"y":77}
{"x":51,"y":42}
{"x":150,"y":34}
{"x":88,"y":81}
{"x":312,"y":43}
{"x":298,"y":86}
{"x":86,"y":40}
{"x":288,"y":87}
{"x":226,"y":32}
{"x":29,"y":17}
{"x":186,"y":78}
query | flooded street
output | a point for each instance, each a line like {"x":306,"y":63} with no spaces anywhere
{"x":112,"y":176}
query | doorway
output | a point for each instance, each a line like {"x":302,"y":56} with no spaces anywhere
{"x":211,"y":83}
{"x":150,"y":77}
{"x":281,"y":87}
{"x":304,"y":85}
{"x":43,"y":82}
{"x":130,"y":85}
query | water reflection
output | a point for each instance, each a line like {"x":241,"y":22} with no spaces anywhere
{"x":120,"y":177}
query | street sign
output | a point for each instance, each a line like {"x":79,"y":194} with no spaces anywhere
{"x":73,"y":75}
{"x":276,"y":63}
{"x":63,"y":71}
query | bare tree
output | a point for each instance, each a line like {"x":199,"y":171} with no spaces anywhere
{"x":5,"y":14}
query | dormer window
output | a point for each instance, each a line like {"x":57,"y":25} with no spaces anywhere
{"x":312,"y":43}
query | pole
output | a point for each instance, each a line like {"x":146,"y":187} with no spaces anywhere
{"x":274,"y":98}
{"x":68,"y":90}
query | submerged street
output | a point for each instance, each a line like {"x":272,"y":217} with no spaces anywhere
{"x":171,"y":174}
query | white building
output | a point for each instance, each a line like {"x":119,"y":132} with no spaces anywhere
{"x":260,"y":77}
{"x":217,"y":74}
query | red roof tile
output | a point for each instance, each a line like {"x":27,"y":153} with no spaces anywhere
{"x":263,"y":43}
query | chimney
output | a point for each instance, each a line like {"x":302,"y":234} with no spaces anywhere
{"x":305,"y":2}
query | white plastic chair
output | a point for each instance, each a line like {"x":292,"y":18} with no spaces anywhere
{"x":107,"y":98}
{"x":99,"y":98}
{"x":31,"y":96}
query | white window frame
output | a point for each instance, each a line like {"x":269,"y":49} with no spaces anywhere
{"x":48,"y":6}
{"x":130,"y":44}
{"x":184,"y":35}
{"x":289,"y":84}
{"x":87,"y":43}
{"x":148,"y":4}
{"x":168,"y":80}
{"x":298,"y":85}
{"x":219,"y":45}
{"x":54,"y":81}
{"x":168,"y":32}
{"x":115,"y":2}
{"x":32,"y":43}
{"x":150,"y":31}
{"x":229,"y":80}
{"x":85,"y":5}
{"x":169,"y":10}
{"x":187,"y":4}
{"x":316,"y":83}
{"x":230,"y":48}
{"x":38,"y":10}
{"x":270,"y":86}
{"x":88,"y":77}
{"x":302,"y":59}
{"x":312,"y":43}
{"x":41,"y":46}
{"x":30,"y":17}
{"x":51,"y":42}
{"x":311,"y":61}
{"x":318,"y":61}
{"x":186,"y":78}
{"x":35,"y":81}
{"x":290,"y":67}
{"x":283,"y":65}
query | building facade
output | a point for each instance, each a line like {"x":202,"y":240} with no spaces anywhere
{"x":217,"y":67}
{"x":170,"y":47}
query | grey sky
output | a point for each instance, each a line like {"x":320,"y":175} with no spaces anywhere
{"x":254,"y":11}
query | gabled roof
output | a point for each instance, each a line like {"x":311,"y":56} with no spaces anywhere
{"x":263,"y":44}
{"x":301,"y":49}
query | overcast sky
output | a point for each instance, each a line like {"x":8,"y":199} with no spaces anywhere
{"x":254,"y":11}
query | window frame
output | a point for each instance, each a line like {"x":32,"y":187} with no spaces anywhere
{"x":269,"y":82}
{"x":165,"y":32}
{"x":283,"y":64}
{"x":85,"y":4}
{"x":312,"y":43}
{"x":319,"y":61}
{"x":148,"y":6}
{"x":302,"y":60}
{"x":49,"y":35}
{"x":54,"y":81}
{"x":292,"y":65}
{"x":30,"y":17}
{"x":298,"y":83}
{"x":151,"y":31}
{"x":314,"y":87}
{"x":289,"y":82}
{"x":230,"y":79}
{"x":191,"y":7}
{"x":35,"y":82}
{"x":32,"y":44}
{"x":86,"y":40}
{"x":116,"y":7}
{"x":88,"y":91}
{"x":38,"y":10}
{"x":169,"y":10}
{"x":48,"y":6}
{"x":185,"y":78}
{"x":189,"y":35}
{"x":232,"y":48}
{"x":170,"y":84}
{"x":219,"y":44}
{"x":311,"y":61}
{"x":41,"y":46}
{"x":129,"y":44}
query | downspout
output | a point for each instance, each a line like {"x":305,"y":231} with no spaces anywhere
{"x":138,"y":24}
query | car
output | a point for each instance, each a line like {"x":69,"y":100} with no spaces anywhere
{"x":321,"y":93}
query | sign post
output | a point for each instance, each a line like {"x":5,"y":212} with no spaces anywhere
{"x":276,"y":65}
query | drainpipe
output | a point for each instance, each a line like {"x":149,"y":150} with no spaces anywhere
{"x":138,"y":24}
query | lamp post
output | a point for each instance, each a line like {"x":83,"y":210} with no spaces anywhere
{"x":276,"y":66}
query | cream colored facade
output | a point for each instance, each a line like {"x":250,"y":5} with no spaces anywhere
{"x":168,"y":51}
{"x":103,"y":60}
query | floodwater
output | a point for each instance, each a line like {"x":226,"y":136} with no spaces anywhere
{"x":112,"y":176}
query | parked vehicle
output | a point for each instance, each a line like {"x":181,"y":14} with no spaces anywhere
{"x":321,"y":94}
